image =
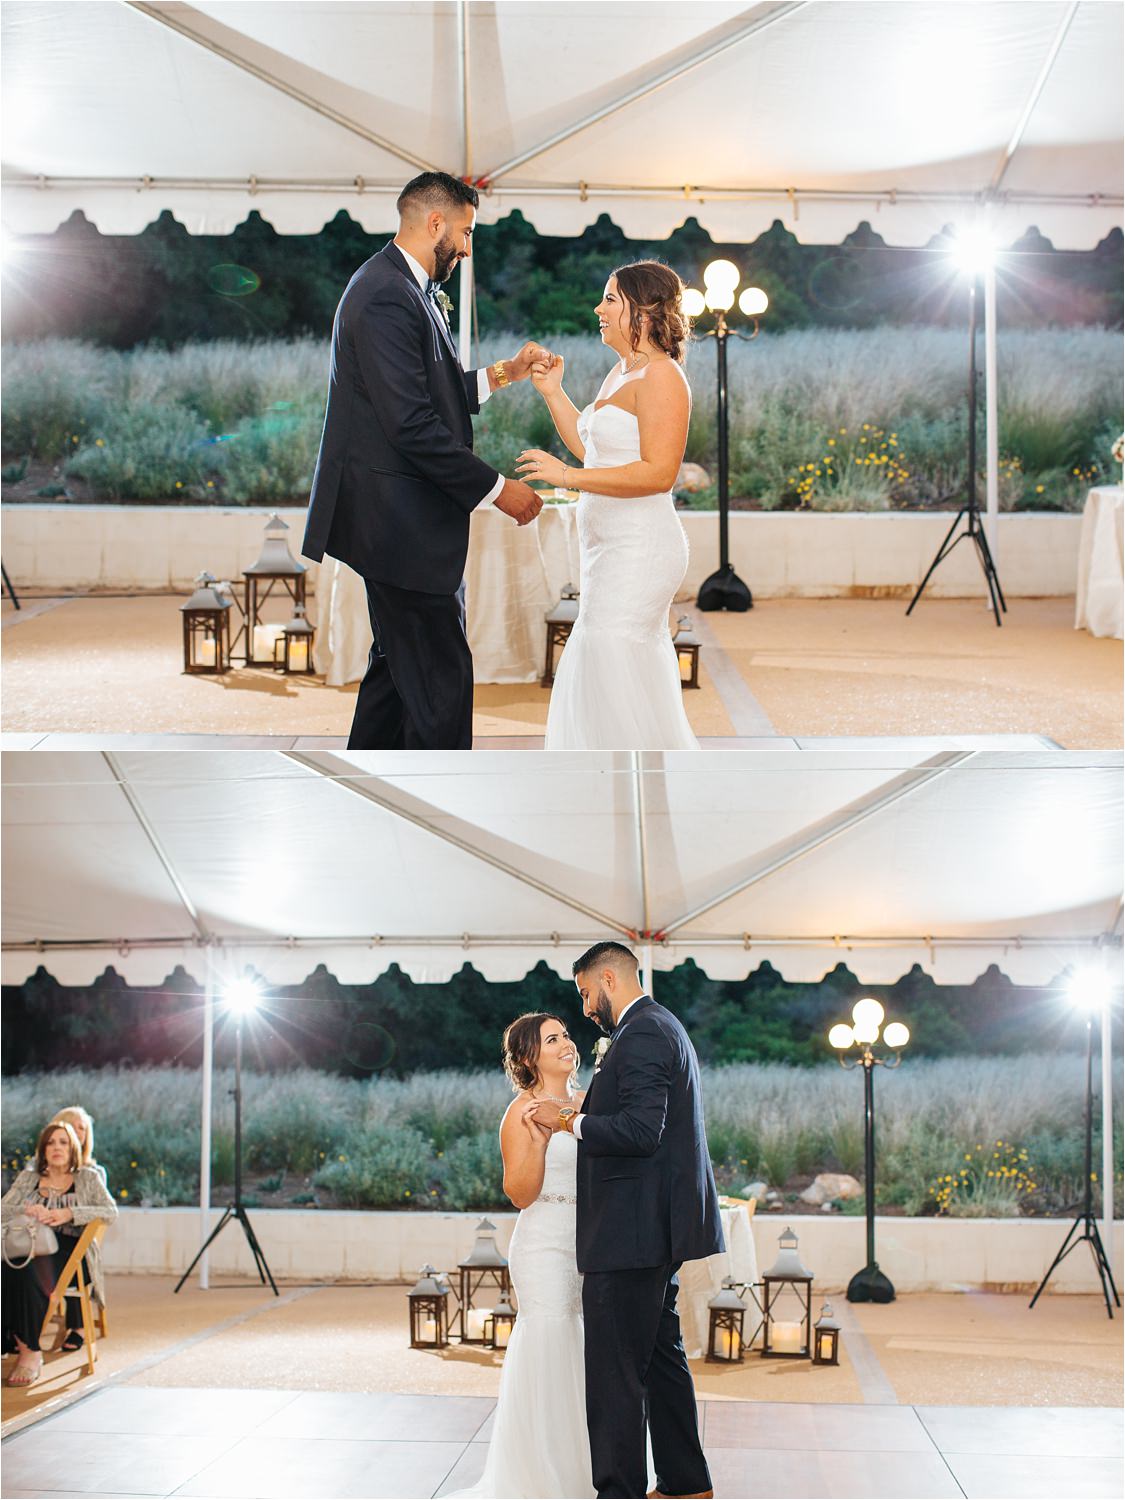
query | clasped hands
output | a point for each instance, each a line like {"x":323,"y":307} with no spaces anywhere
{"x":50,"y":1216}
{"x":517,"y":499}
{"x":541,"y":1119}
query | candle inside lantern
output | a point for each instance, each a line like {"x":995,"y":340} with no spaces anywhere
{"x":824,"y":1345}
{"x":429,"y":1331}
{"x":265,"y":638}
{"x":298,"y":655}
{"x":206,"y":656}
{"x":729,"y":1342}
{"x":785,"y":1338}
{"x":503,"y":1332}
{"x":474,"y":1323}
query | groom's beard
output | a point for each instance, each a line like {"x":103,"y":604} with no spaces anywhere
{"x":603,"y":1013}
{"x":445,"y":258}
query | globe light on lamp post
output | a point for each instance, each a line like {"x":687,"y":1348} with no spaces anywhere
{"x":856,"y":1046}
{"x":724,"y":589}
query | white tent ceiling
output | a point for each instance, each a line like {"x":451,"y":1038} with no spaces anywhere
{"x":281,"y":861}
{"x":907,"y":113}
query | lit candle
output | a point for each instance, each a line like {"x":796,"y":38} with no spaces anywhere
{"x":265,"y":638}
{"x":785,"y":1338}
{"x":729,"y":1342}
{"x":206,"y":657}
{"x":299,"y":654}
{"x":474,"y":1322}
{"x":502,"y":1335}
{"x":429,"y":1331}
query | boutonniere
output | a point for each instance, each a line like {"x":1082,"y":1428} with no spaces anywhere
{"x":444,"y":303}
{"x":600,"y":1050}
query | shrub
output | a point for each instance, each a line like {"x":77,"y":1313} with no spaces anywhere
{"x":55,"y":393}
{"x":271,"y":458}
{"x":474,"y":1173}
{"x":392,"y":1169}
{"x":145,"y":453}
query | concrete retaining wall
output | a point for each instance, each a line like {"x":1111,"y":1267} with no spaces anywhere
{"x":919,"y":1255}
{"x":779,"y":554}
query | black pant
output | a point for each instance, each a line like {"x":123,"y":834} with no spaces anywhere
{"x":637,"y":1371}
{"x":417,"y":692}
{"x":27,"y":1291}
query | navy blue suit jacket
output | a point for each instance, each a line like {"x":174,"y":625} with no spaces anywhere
{"x":646,"y":1191}
{"x":396,"y":479}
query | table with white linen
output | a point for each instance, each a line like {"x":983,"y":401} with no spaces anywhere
{"x":513,"y":576}
{"x":701,"y":1279}
{"x":1099,"y":604}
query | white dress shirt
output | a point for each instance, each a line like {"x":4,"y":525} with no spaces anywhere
{"x":484,"y":390}
{"x":576,"y":1124}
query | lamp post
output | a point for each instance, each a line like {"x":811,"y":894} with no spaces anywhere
{"x":724,"y":589}
{"x":870,"y":1284}
{"x":1088,"y":992}
{"x":243,"y":996}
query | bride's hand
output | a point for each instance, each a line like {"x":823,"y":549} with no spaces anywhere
{"x":539,"y":1133}
{"x":547,"y":376}
{"x":535,"y":466}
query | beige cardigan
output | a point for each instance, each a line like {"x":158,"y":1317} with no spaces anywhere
{"x":93,"y":1202}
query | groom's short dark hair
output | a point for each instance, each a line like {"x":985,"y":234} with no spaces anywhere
{"x":614,"y":954}
{"x":435,"y":190}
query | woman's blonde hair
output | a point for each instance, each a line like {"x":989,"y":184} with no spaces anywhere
{"x":72,"y":1115}
{"x":45,"y":1135}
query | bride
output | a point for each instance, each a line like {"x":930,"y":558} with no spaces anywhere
{"x":618,"y":682}
{"x":540,"y":1445}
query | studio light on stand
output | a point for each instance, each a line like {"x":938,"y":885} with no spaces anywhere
{"x":242,"y":997}
{"x":724,"y":589}
{"x":1089,"y":992}
{"x":870,"y":1284}
{"x":975,"y":255}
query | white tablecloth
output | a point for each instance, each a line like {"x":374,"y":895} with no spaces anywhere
{"x":514,"y":574}
{"x":701,"y":1279}
{"x":1101,"y":559}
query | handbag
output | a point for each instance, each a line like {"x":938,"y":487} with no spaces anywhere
{"x":24,"y":1239}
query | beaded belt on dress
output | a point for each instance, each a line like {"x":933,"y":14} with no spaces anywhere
{"x":556,"y":1198}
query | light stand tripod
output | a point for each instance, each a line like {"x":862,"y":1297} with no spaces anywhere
{"x":235,"y":1210}
{"x":970,"y":511}
{"x":1085,"y":1222}
{"x":724,"y":589}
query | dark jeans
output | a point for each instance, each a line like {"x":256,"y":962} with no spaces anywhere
{"x":417,"y":692}
{"x":637,"y":1372}
{"x":27,"y":1291}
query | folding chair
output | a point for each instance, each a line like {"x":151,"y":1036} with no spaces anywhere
{"x":72,"y":1282}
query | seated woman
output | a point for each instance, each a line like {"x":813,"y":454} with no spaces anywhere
{"x":59,"y":1192}
{"x":82,"y":1123}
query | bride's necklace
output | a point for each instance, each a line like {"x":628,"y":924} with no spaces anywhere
{"x":550,"y":1099}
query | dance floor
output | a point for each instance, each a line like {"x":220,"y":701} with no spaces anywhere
{"x":315,"y":1394}
{"x":790,"y":671}
{"x":289,"y":1443}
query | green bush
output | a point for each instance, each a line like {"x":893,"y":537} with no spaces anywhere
{"x":54,"y":394}
{"x":393,"y":1169}
{"x":147,"y":452}
{"x":271,"y":458}
{"x":474,"y":1173}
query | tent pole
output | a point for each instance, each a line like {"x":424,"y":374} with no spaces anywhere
{"x":1107,"y":1115}
{"x":1033,"y":98}
{"x":991,"y":429}
{"x":759,"y":22}
{"x":465,"y":290}
{"x":205,"y":1125}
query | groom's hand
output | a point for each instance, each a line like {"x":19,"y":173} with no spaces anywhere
{"x":519,"y":501}
{"x":531,"y":354}
{"x":548,"y":1116}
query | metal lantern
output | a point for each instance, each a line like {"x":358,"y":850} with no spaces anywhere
{"x":276,"y":568}
{"x":429,"y":1311}
{"x":725,"y":1335}
{"x":826,"y":1338}
{"x":560,"y":622}
{"x":483,"y":1268}
{"x":500,"y":1322}
{"x":292,"y":651}
{"x":687,"y":645}
{"x":206,"y":617}
{"x":787,"y":1290}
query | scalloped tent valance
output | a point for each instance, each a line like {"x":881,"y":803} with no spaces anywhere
{"x":283,"y":861}
{"x":910,"y":114}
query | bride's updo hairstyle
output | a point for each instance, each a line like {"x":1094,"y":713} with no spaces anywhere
{"x":654,"y":291}
{"x":521,"y":1048}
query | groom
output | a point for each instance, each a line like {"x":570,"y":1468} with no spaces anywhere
{"x":646,"y":1202}
{"x":397,"y":479}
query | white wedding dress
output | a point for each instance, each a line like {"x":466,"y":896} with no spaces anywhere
{"x":540,"y":1447}
{"x":618,"y":681}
